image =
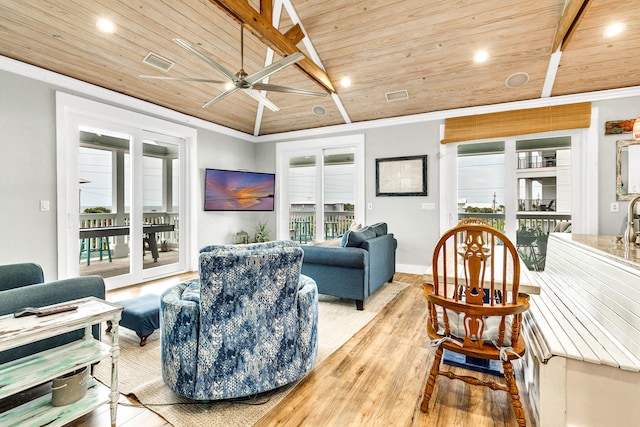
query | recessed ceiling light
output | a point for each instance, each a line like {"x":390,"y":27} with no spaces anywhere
{"x":105,"y":26}
{"x":345,"y":82}
{"x":481,"y":56}
{"x":613,"y":30}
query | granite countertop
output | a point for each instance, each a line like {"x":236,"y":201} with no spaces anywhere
{"x":604,"y":244}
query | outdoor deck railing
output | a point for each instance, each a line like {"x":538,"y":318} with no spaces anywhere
{"x":302,"y":225}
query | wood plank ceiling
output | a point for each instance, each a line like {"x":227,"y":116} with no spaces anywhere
{"x":425,"y":48}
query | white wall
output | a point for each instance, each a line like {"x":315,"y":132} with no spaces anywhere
{"x":416,"y":230}
{"x":223,"y":152}
{"x":620,"y":109}
{"x":28,"y":168}
{"x":28,"y":174}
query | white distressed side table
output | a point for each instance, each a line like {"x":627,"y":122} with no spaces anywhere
{"x":29,"y":371}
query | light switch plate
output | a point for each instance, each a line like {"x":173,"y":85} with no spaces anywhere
{"x":614,"y":207}
{"x":428,"y":207}
{"x":44,"y":205}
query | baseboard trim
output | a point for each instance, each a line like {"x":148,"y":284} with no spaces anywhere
{"x":411,"y":269}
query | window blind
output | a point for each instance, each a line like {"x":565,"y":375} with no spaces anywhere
{"x":517,"y":122}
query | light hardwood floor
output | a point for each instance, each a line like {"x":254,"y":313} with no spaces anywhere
{"x":375,"y":379}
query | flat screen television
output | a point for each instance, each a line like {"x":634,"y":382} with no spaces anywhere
{"x":228,"y":190}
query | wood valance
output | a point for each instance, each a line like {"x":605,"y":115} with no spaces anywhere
{"x":517,"y":122}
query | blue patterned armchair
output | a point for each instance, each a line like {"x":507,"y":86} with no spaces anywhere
{"x":249,"y":324}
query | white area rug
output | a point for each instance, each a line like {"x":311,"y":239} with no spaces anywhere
{"x":140,"y":375}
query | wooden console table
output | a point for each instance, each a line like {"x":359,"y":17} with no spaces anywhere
{"x":29,"y":371}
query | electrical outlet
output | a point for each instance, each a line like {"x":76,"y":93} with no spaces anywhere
{"x":614,"y":207}
{"x":369,"y":206}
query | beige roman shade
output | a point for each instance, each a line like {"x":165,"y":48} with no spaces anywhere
{"x":517,"y":122}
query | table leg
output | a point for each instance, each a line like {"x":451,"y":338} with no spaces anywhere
{"x":153,"y":246}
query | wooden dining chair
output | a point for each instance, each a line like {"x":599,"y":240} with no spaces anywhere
{"x":474,"y":305}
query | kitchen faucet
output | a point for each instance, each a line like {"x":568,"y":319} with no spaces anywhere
{"x":630,"y":234}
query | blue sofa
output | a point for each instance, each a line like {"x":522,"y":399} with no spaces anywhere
{"x":364,"y":261}
{"x":22,"y":285}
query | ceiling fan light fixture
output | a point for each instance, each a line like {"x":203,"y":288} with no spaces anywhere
{"x":399,"y":95}
{"x":319,"y":110}
{"x":517,"y":80}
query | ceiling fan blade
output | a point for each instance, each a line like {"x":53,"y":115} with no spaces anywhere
{"x":275,"y":67}
{"x":258,"y":97}
{"x":206,"y":59}
{"x":276,"y":88}
{"x":221,"y":96}
{"x":180,"y":79}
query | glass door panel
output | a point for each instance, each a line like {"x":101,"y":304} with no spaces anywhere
{"x":339,"y":193}
{"x":302,"y":198}
{"x":481,"y":182}
{"x":544,"y":194}
{"x":103,"y":218}
{"x":161,"y":203}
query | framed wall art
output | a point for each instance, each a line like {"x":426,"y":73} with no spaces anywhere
{"x":401,"y":176}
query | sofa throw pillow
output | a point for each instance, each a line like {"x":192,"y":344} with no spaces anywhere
{"x":330,"y":242}
{"x":355,"y":238}
{"x":354,"y":226}
{"x":380,"y":228}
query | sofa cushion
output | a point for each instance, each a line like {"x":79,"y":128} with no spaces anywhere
{"x":355,"y":238}
{"x":380,"y":228}
{"x":192,"y":291}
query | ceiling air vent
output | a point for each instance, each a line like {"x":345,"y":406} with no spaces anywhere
{"x":400,"y":95}
{"x":158,"y":61}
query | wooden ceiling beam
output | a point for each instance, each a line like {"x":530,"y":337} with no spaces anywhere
{"x":259,"y":23}
{"x":573,"y":13}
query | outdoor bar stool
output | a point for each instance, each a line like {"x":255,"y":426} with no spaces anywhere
{"x":103,"y":245}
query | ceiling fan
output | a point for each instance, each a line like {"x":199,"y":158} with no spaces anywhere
{"x":249,"y":84}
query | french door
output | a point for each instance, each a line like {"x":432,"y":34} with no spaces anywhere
{"x":124,"y":196}
{"x":321,"y":188}
{"x":524,"y":186}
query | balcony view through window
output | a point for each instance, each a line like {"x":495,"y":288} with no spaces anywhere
{"x":542,"y":184}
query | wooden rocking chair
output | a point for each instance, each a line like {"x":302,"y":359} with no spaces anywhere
{"x":474,"y":305}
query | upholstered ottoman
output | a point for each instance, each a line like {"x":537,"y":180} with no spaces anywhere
{"x":141,"y":314}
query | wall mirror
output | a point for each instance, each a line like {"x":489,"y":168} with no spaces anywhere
{"x":627,"y":178}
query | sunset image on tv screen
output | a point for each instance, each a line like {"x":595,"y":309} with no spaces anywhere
{"x":238,"y":191}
